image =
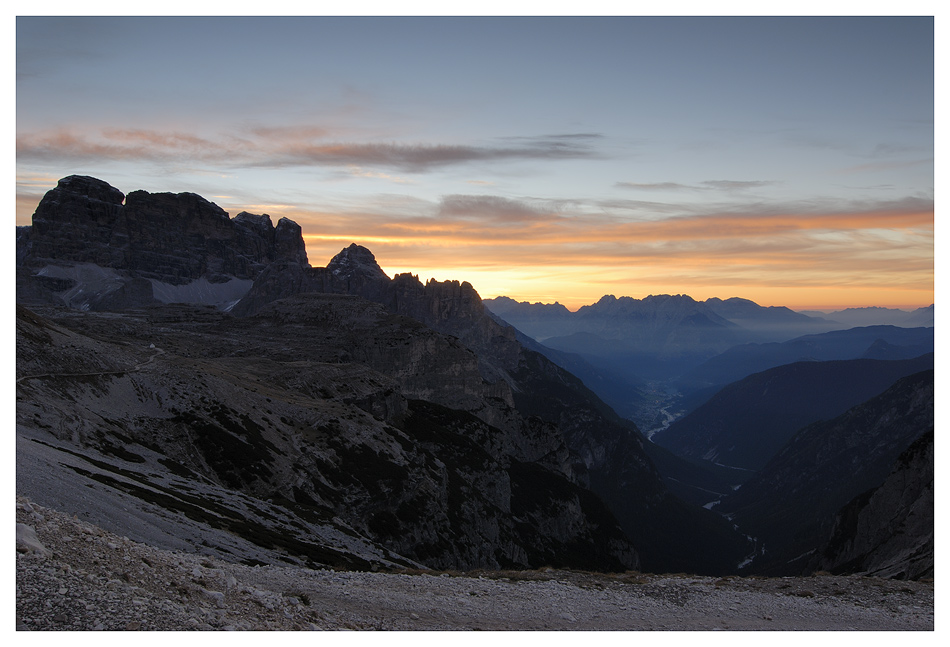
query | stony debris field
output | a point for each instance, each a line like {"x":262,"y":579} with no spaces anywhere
{"x":71,"y":575}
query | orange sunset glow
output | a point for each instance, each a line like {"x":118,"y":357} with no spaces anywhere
{"x":786,"y":161}
{"x":803,"y":261}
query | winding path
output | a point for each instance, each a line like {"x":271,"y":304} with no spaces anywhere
{"x":137,"y":367}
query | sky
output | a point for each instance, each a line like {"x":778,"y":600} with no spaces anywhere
{"x":788,"y":160}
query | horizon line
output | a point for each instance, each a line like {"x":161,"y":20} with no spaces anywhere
{"x":826,"y":309}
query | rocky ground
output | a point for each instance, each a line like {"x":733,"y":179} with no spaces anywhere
{"x":71,"y":575}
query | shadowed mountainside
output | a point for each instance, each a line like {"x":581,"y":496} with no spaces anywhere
{"x":747,"y":422}
{"x":790,"y":506}
{"x":889,"y":531}
{"x":265,"y":409}
{"x":873,"y":342}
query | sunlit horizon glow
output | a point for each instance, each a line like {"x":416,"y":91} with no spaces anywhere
{"x":574,"y":158}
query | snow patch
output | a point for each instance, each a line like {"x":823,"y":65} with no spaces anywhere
{"x":202,"y":291}
{"x":89,"y":280}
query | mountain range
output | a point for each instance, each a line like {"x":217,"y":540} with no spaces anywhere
{"x":869,"y":342}
{"x":672,"y":353}
{"x":194,"y":370}
{"x":877,"y":316}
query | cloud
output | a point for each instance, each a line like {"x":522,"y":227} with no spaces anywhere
{"x":415,"y":158}
{"x":117,"y":145}
{"x":494,"y":209}
{"x":880,"y":256}
{"x":889,"y":149}
{"x":284,"y":147}
{"x":706,"y":185}
{"x":281,"y":133}
{"x":564,"y":138}
{"x":736,"y":185}
{"x":886,"y":166}
{"x":356,"y":171}
{"x":656,"y":186}
{"x":525,"y":231}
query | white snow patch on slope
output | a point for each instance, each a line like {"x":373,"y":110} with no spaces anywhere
{"x":220,"y":295}
{"x":91,"y":280}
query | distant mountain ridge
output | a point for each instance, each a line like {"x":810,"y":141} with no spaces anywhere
{"x":875,"y":342}
{"x":877,"y":316}
{"x":658,"y":337}
{"x":775,"y":320}
{"x":616,"y":318}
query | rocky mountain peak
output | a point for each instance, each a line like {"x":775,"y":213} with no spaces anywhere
{"x":181,"y":210}
{"x":91,"y":188}
{"x":288,"y":243}
{"x":356,"y":261}
{"x":144,"y":246}
{"x":260,"y":222}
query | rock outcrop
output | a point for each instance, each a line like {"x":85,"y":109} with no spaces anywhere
{"x":889,"y":531}
{"x":165,"y":239}
{"x":791,"y":504}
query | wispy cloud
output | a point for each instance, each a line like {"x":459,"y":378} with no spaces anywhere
{"x":413,"y":158}
{"x":497,"y":210}
{"x":117,"y":145}
{"x":283,"y":133}
{"x":356,"y":171}
{"x":539,"y":229}
{"x":706,"y":185}
{"x":656,"y":186}
{"x":304,"y":146}
{"x":886,"y":166}
{"x":876,"y":252}
{"x":736,"y":185}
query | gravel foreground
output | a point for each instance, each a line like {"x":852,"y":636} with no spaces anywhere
{"x":71,"y":575}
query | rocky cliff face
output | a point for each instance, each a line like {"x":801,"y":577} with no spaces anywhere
{"x":889,"y":531}
{"x":164,"y":238}
{"x":450,"y":307}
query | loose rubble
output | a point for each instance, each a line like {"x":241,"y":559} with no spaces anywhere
{"x":72,"y":575}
